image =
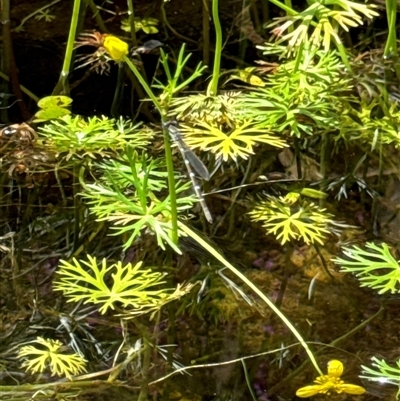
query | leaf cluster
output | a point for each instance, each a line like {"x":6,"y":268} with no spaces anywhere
{"x":382,"y":372}
{"x":127,"y":197}
{"x":148,"y":25}
{"x":322,"y":17}
{"x":371,"y":129}
{"x":301,"y":99}
{"x":79,"y":137}
{"x":129,"y":288}
{"x":289,"y":218}
{"x":48,"y":353}
{"x":374,"y":267}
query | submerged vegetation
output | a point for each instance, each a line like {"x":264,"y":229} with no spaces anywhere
{"x":113,"y":266}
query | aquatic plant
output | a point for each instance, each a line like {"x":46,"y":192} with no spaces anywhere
{"x":77,"y":137}
{"x":375,"y":267}
{"x":201,"y":107}
{"x":132,"y":290}
{"x":330,"y":383}
{"x":382,"y":373}
{"x":303,"y":102}
{"x":292,"y":218}
{"x":371,"y":130}
{"x":148,"y":25}
{"x":52,"y":107}
{"x":127,"y":197}
{"x":345,"y":13}
{"x":324,"y":19}
{"x":48,"y":353}
{"x":304,"y":97}
{"x":229,"y":142}
{"x":38,"y":14}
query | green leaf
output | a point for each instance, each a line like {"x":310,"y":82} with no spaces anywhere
{"x":313,"y":193}
{"x":50,"y":113}
{"x":54,"y":101}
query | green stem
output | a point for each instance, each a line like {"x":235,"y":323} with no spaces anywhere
{"x":213,"y":88}
{"x":289,"y":378}
{"x":299,"y":58}
{"x":324,"y":163}
{"x":242,"y":277}
{"x":343,"y":55}
{"x":62,"y":84}
{"x":145,"y":85}
{"x":131,"y":13}
{"x":77,"y":204}
{"x":118,"y":92}
{"x":248,"y":382}
{"x":391,"y":43}
{"x":168,"y":153}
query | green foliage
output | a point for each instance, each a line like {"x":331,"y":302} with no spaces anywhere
{"x":121,"y":173}
{"x":125,"y":197}
{"x":78,"y":137}
{"x":45,"y":15}
{"x":229,"y":142}
{"x":375,"y":267}
{"x":370,"y":129}
{"x":48,"y":354}
{"x":219,"y":109}
{"x":347,"y":181}
{"x":52,"y":107}
{"x":54,"y":101}
{"x":290,"y":218}
{"x":324,"y":17}
{"x":148,"y":25}
{"x":303,"y":99}
{"x":217,"y":126}
{"x":174,"y":84}
{"x":115,"y":286}
{"x":382,"y":372}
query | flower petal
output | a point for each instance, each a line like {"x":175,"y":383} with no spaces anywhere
{"x":335,"y":368}
{"x":309,"y":391}
{"x":350,"y":389}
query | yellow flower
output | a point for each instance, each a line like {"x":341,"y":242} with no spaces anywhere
{"x":116,"y":48}
{"x":325,"y":384}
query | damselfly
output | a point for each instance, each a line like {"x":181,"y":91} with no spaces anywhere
{"x":193,"y":163}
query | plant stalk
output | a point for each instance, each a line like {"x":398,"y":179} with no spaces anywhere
{"x":242,"y":277}
{"x":168,"y":153}
{"x":213,"y":88}
{"x":131,"y":13}
{"x":62,"y":84}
